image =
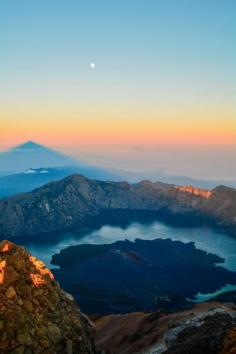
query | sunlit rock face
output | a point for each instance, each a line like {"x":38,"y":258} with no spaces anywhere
{"x":195,"y":191}
{"x":2,"y":271}
{"x":36,"y":316}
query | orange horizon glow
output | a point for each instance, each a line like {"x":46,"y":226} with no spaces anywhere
{"x":60,"y":127}
{"x":162,"y":74}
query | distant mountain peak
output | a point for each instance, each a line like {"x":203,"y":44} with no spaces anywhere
{"x":31,"y":156}
{"x":29,"y":146}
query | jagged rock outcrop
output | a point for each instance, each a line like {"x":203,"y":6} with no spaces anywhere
{"x":208,"y":328}
{"x":36,"y":316}
{"x":75,"y":201}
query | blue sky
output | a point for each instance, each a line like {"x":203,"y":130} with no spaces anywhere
{"x":164,"y":44}
{"x":165,"y":73}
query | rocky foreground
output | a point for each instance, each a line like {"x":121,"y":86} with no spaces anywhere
{"x":76,"y":201}
{"x":36,"y":316}
{"x":205,"y":329}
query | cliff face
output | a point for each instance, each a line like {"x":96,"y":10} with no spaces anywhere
{"x":205,"y":329}
{"x":75,"y":200}
{"x":36,"y":316}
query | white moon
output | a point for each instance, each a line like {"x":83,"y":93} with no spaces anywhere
{"x":92,"y":65}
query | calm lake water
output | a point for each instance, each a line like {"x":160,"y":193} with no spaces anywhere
{"x":204,"y":237}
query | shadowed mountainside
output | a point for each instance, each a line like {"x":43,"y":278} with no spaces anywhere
{"x":76,"y":200}
{"x":35,"y":178}
{"x":208,"y":328}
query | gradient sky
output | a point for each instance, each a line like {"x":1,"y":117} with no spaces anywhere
{"x":165,"y":72}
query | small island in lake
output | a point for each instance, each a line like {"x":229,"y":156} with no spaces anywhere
{"x":144,"y":275}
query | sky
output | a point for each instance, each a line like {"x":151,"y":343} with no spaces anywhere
{"x":164,"y":75}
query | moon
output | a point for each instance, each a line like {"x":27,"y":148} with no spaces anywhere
{"x":92,"y":65}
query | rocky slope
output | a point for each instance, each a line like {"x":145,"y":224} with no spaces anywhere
{"x":75,"y":201}
{"x":36,"y":316}
{"x":205,"y":329}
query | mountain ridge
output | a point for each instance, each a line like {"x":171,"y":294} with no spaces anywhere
{"x":75,"y":200}
{"x":34,"y":155}
{"x":33,"y":178}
